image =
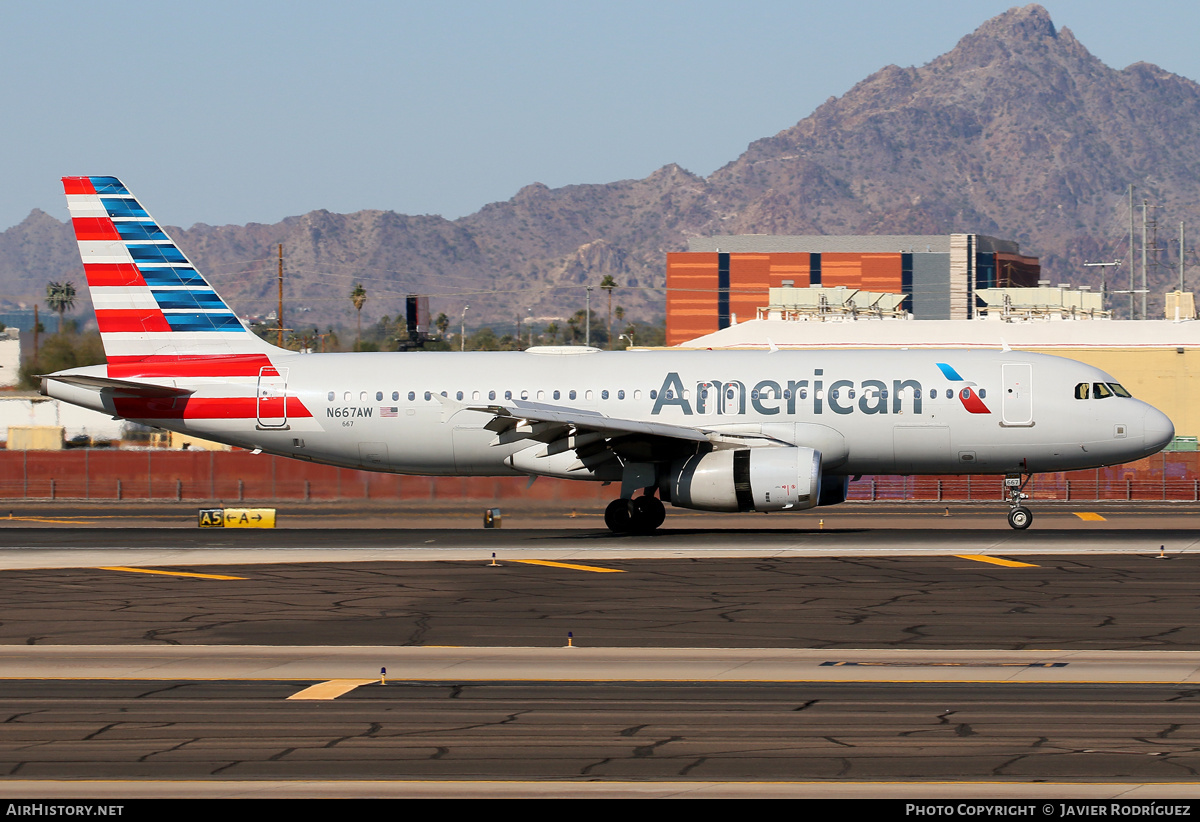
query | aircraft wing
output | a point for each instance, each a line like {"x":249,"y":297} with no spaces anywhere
{"x":505,"y":417}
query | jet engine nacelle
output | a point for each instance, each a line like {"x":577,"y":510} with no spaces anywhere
{"x":748,"y":479}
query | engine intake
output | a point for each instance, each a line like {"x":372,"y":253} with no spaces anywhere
{"x":748,"y":479}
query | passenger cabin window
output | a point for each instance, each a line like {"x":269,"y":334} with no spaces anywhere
{"x":491,"y":395}
{"x":395,"y":396}
{"x":557,"y":394}
{"x":378,"y":396}
{"x":412,"y":395}
{"x":330,"y":396}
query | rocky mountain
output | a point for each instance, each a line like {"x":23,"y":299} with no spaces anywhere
{"x":1018,"y":132}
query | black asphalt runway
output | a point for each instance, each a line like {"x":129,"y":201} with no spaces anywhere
{"x":624,"y":732}
{"x":1113,"y":602}
{"x":1090,"y":589}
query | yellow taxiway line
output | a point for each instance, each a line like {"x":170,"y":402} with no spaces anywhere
{"x":166,"y":573}
{"x":1089,"y":516}
{"x":997,"y":561}
{"x":331,"y":689}
{"x":569,"y":565}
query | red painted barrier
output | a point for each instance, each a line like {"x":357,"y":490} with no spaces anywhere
{"x":103,"y":474}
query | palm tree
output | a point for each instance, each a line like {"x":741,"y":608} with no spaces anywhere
{"x":60,"y":297}
{"x":359,"y":297}
{"x":608,"y":284}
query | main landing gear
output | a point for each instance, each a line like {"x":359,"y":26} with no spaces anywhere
{"x":635,"y":516}
{"x":1019,"y":516}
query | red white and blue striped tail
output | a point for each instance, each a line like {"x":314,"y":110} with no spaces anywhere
{"x":152,"y":305}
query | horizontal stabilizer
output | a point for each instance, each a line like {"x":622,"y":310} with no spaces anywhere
{"x":121,"y":388}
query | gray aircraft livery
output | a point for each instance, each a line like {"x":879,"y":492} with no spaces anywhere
{"x":707,"y":430}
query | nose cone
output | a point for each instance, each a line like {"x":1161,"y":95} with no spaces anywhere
{"x":1159,"y":431}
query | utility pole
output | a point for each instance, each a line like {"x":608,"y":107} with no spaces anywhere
{"x":1130,"y":255}
{"x":587,"y":338}
{"x":280,"y":314}
{"x":1181,"y":257}
{"x":1103,"y":278}
{"x":1143,"y":257}
{"x":1148,"y":245}
{"x":462,"y":334}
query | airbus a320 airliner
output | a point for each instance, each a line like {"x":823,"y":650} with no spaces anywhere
{"x":706,"y":430}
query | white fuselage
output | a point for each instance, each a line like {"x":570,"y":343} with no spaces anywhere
{"x":867,"y":412}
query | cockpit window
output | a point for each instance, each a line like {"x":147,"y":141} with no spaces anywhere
{"x":1101,"y":390}
{"x":1119,"y":389}
{"x":1081,"y":391}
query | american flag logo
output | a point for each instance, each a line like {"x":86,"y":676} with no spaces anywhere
{"x":388,"y":411}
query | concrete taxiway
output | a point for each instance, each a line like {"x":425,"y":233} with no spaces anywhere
{"x":364,"y":665}
{"x":914,"y":654}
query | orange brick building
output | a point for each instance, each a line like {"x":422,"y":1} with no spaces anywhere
{"x":722,"y":280}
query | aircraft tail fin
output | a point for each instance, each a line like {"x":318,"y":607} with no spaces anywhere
{"x":153,"y":307}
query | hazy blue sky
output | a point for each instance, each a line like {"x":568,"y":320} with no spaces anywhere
{"x":224,"y":112}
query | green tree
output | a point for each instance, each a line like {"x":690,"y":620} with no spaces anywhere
{"x":359,"y":297}
{"x":608,"y":284}
{"x":60,"y":352}
{"x":484,"y":339}
{"x":443,"y":325}
{"x":60,"y":297}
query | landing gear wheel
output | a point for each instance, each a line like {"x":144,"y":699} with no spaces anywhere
{"x":1020,"y":517}
{"x":648,"y":514}
{"x":619,"y":516}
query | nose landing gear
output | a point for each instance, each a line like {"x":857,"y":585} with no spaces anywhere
{"x":1019,"y":517}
